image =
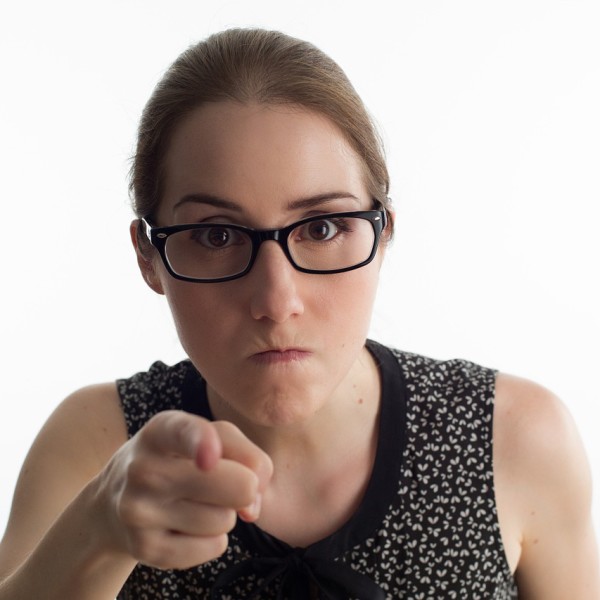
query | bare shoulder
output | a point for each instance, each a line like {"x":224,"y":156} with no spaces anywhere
{"x":544,"y":490}
{"x":90,"y":418}
{"x":73,"y":446}
{"x":532,"y":425}
{"x":76,"y":442}
{"x":536,"y":438}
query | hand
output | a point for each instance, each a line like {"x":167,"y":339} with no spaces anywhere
{"x":174,"y":490}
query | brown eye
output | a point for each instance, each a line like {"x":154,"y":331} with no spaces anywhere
{"x":218,"y":237}
{"x":320,"y":231}
{"x":213,"y":237}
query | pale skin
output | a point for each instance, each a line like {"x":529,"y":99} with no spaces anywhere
{"x":90,"y":504}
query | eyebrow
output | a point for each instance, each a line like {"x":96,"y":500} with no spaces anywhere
{"x":312,"y":201}
{"x":302,"y":203}
{"x":208,"y":199}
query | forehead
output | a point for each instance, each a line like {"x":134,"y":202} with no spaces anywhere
{"x":253,"y":153}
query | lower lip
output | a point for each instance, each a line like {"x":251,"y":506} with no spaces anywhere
{"x":280,"y":356}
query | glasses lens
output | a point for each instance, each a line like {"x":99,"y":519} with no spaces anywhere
{"x":208,"y":252}
{"x":330,"y":244}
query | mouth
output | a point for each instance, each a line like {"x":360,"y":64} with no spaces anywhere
{"x":281,"y":356}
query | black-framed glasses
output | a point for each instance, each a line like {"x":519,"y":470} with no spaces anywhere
{"x":323,"y":244}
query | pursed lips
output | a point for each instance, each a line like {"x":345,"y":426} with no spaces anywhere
{"x":281,"y":355}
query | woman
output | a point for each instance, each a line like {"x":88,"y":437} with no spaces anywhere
{"x":290,"y":457}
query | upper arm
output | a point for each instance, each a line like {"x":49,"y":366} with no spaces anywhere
{"x":544,"y":481}
{"x":73,"y":446}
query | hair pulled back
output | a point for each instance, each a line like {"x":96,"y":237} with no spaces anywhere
{"x":251,"y":65}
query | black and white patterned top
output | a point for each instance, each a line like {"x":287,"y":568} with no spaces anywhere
{"x":427,"y":527}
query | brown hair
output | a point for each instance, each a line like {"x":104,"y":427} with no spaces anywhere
{"x":251,"y":65}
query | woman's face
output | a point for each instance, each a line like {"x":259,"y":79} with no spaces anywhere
{"x":277,"y":345}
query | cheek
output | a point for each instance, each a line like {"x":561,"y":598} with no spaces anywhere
{"x":210,"y":321}
{"x":195,"y":312}
{"x":348,"y":300}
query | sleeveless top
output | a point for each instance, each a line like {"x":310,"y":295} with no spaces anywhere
{"x":426,"y":528}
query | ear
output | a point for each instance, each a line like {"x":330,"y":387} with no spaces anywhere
{"x":386,"y":235}
{"x":388,"y":232}
{"x":146,"y":256}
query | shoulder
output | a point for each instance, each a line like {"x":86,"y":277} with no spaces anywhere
{"x":75,"y":443}
{"x":544,"y":491}
{"x":535,"y":434}
{"x":105,"y":415}
{"x":91,"y":420}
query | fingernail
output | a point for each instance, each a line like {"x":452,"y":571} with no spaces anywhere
{"x":255,"y":510}
{"x":252,"y":512}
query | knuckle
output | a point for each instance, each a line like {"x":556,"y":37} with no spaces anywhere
{"x":148,"y":550}
{"x":216,"y":546}
{"x":173,"y":433}
{"x":155,"y":423}
{"x":164,"y":552}
{"x":161,"y":423}
{"x":184,"y":432}
{"x":216,"y":521}
{"x":133,"y":513}
{"x":162,"y":417}
{"x":229,"y":520}
{"x":264,"y":468}
{"x":136,"y":474}
{"x":247,"y":488}
{"x":227,"y":428}
{"x":141,"y":476}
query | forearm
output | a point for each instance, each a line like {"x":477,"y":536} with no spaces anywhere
{"x":73,"y":561}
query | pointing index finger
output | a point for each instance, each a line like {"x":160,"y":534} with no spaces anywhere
{"x":188,"y":436}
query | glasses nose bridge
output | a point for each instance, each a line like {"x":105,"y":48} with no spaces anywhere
{"x":272,"y":235}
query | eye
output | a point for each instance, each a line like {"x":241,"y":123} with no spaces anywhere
{"x":216,"y":237}
{"x":325,"y":230}
{"x":321,"y":231}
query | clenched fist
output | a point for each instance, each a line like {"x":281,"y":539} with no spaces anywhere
{"x":174,"y":490}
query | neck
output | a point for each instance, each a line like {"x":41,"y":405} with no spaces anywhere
{"x":322,"y":465}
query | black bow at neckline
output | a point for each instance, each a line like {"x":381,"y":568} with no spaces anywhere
{"x":296,"y":575}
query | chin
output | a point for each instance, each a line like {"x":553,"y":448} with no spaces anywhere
{"x":280,"y":411}
{"x":282,"y":401}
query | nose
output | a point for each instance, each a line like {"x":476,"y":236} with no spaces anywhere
{"x":274,"y":285}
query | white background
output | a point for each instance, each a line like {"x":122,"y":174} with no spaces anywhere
{"x":489,"y":111}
